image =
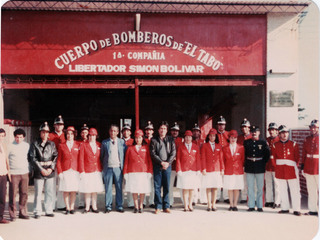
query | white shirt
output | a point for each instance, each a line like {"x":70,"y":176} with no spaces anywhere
{"x":213,"y":145}
{"x":70,"y":144}
{"x":188,"y":146}
{"x":114,"y":161}
{"x":93,"y":146}
{"x":233,"y":148}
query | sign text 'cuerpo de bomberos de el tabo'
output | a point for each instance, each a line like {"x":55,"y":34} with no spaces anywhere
{"x":140,"y":61}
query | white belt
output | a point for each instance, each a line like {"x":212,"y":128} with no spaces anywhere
{"x":254,"y":159}
{"x":286,"y":162}
{"x":313,"y":155}
{"x":48,"y":163}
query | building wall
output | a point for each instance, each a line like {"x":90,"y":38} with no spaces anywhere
{"x":282,"y":66}
{"x":309,"y":34}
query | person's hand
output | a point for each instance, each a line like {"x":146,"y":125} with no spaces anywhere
{"x":9,"y":177}
{"x":179,"y":174}
{"x":204,"y":172}
{"x":164,"y":165}
{"x":303,"y":174}
{"x":222,"y":172}
{"x":44,"y":172}
{"x":49,"y":171}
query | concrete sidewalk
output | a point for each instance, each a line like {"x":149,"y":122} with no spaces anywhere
{"x":196,"y":225}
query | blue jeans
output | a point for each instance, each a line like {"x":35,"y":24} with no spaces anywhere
{"x":253,"y":178}
{"x":48,"y":195}
{"x":161,"y":179}
{"x":113,"y":175}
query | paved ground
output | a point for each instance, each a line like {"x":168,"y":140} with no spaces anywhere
{"x":196,"y":225}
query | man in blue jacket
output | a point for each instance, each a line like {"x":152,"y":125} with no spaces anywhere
{"x":112,"y":158}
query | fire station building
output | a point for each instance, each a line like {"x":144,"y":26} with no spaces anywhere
{"x":103,"y":62}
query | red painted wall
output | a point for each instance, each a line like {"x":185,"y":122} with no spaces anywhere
{"x":32,"y":41}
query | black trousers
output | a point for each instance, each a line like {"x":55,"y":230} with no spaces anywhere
{"x":3,"y":192}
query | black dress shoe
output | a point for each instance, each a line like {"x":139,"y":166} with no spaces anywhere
{"x":62,"y":209}
{"x":243,"y":201}
{"x":36,"y":216}
{"x":141,"y":210}
{"x":81,"y":207}
{"x":12,"y":219}
{"x":131,"y":207}
{"x":185,"y":210}
{"x":250,"y":210}
{"x":107,"y":210}
{"x":260,"y":210}
{"x":235,"y":209}
{"x":213,"y":209}
{"x":297,"y":213}
{"x":94,"y":210}
{"x":312,"y":213}
{"x":268,"y":204}
{"x":85,"y":211}
{"x":230,"y":209}
{"x":276,"y":206}
{"x":217,"y":201}
{"x":208,"y":209}
{"x":227,"y":201}
{"x":135,"y":210}
{"x":152,"y":206}
{"x":49,"y":215}
{"x":120,"y":210}
{"x":283,"y":211}
{"x":67,"y":212}
{"x":24,"y":217}
{"x":72,"y":212}
{"x":193,"y":204}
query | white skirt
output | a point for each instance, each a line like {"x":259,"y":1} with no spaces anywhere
{"x":211,"y":180}
{"x":188,"y":180}
{"x":138,"y":182}
{"x":233,"y":182}
{"x":70,"y":181}
{"x":91,"y":183}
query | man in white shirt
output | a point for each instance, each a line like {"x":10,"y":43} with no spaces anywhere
{"x":19,"y":169}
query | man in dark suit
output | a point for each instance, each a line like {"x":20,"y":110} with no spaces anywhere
{"x":163,"y":152}
{"x":112,"y":158}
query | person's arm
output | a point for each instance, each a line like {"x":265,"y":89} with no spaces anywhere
{"x":304,"y":154}
{"x":203,"y":160}
{"x":172,"y":154}
{"x":266,"y":155}
{"x":153,"y":152}
{"x":33,"y":158}
{"x":54,"y":157}
{"x":296,"y":153}
{"x":7,"y":163}
{"x":59,"y":167}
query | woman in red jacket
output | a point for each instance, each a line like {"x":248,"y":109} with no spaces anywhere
{"x":67,"y":167}
{"x":90,"y":171}
{"x":188,"y":169}
{"x":137,"y":170}
{"x":212,"y":168}
{"x":233,"y":174}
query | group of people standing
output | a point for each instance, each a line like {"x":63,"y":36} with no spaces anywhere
{"x":147,"y":164}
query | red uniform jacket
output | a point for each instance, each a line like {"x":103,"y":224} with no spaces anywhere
{"x":178,"y":141}
{"x":310,"y":155}
{"x":137,"y":161}
{"x":270,"y":164}
{"x":68,"y":159}
{"x":128,"y":142}
{"x":288,"y":150}
{"x":223,"y":138}
{"x":211,"y":161}
{"x":233,"y":164}
{"x":88,"y":161}
{"x":241,"y":138}
{"x":188,"y":161}
{"x":198,"y":142}
{"x":54,"y":137}
{"x":148,"y":140}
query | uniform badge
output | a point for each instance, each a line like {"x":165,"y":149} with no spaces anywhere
{"x":288,"y":152}
{"x":260,"y":147}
